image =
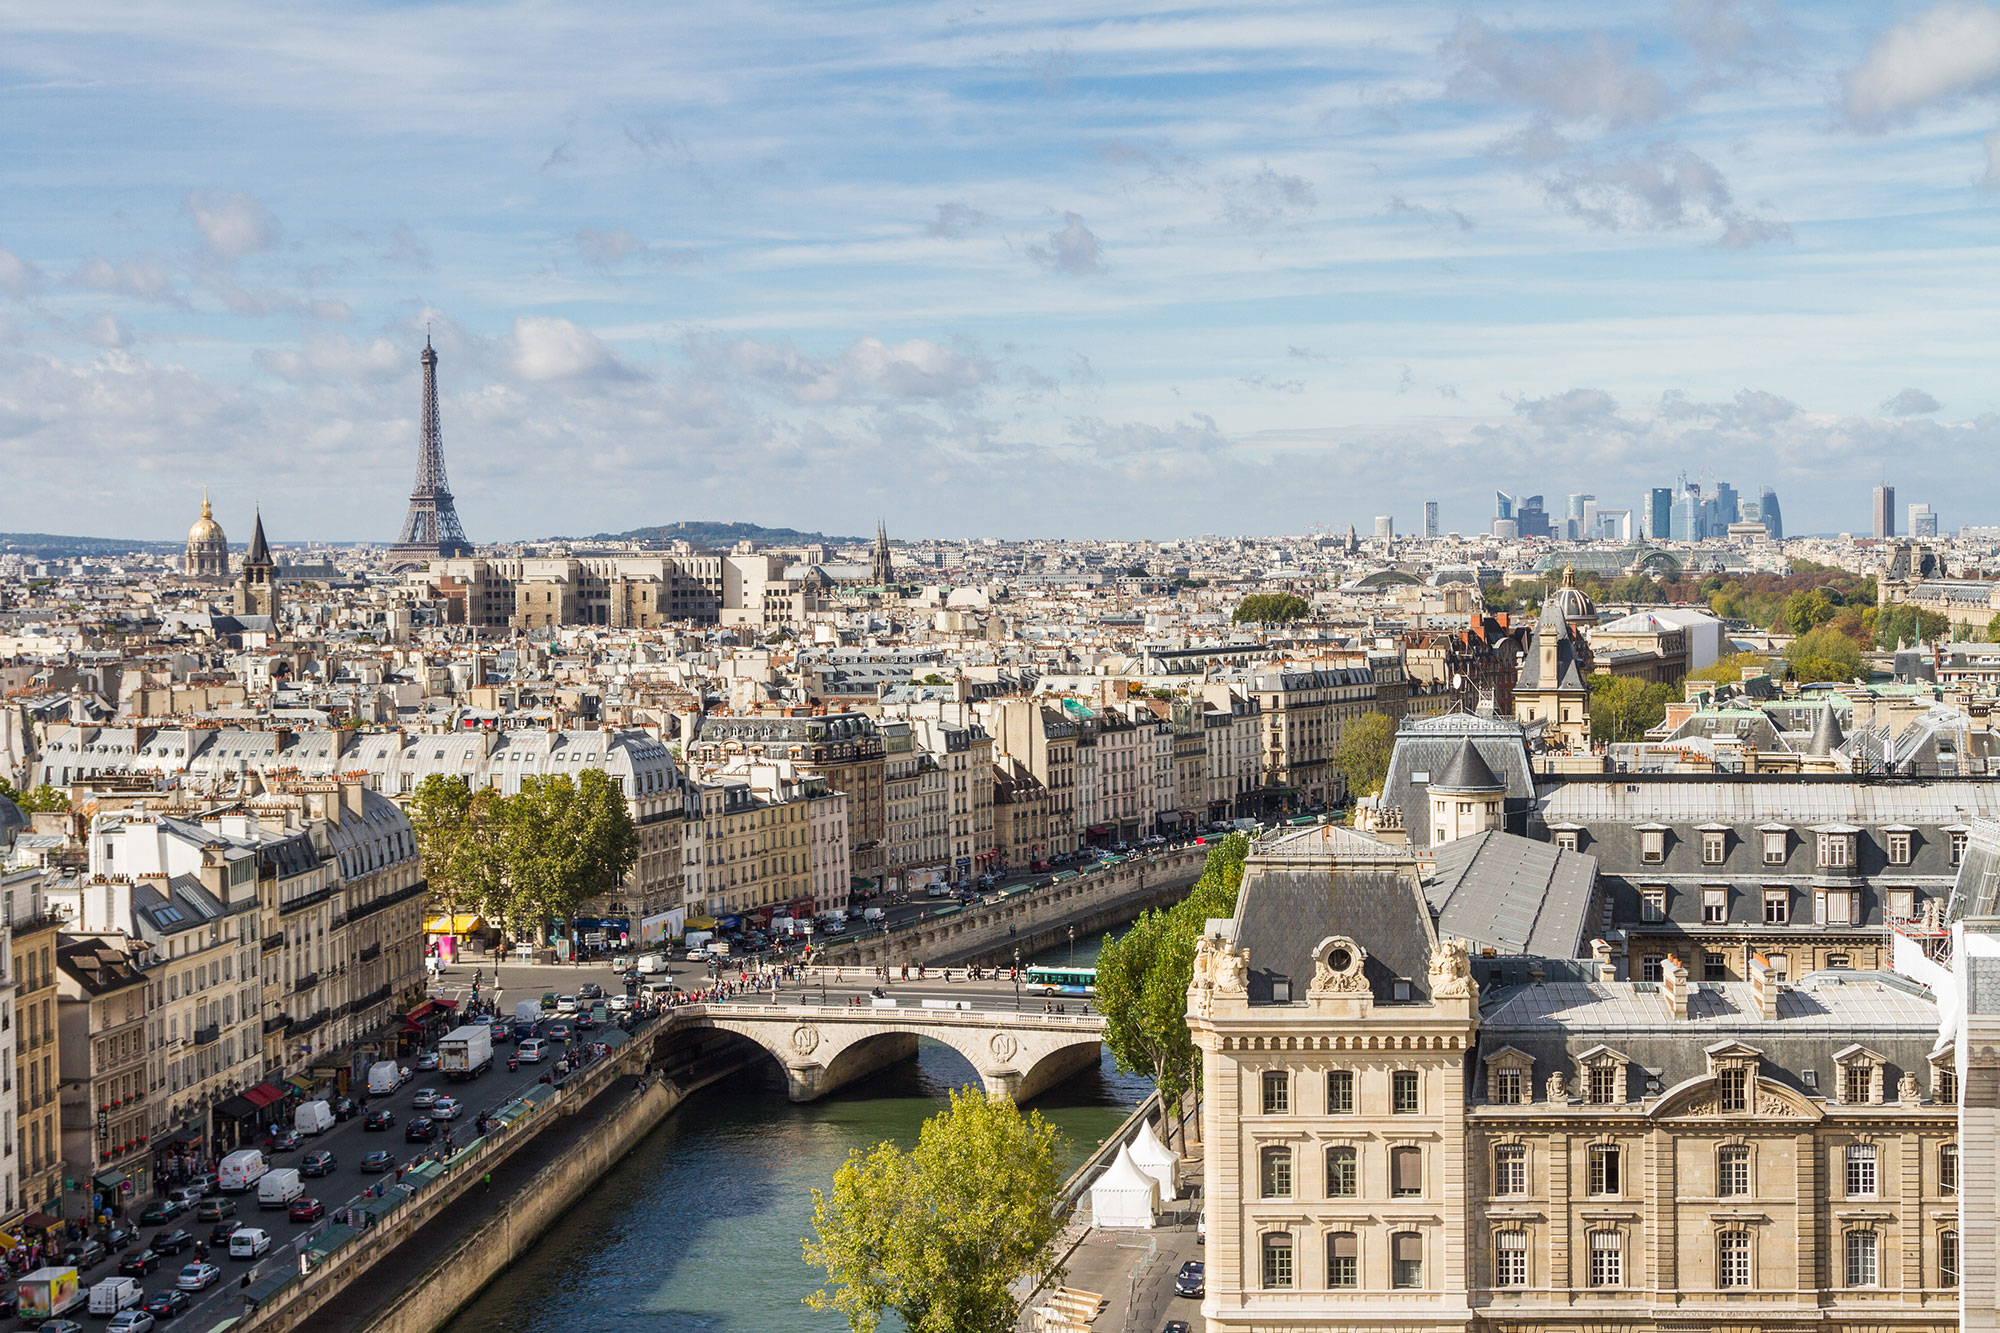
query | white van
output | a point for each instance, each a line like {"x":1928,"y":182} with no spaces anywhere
{"x":650,"y":963}
{"x":384,"y":1076}
{"x":871,"y":914}
{"x":114,"y":1294}
{"x":278,"y":1188}
{"x":313,"y":1118}
{"x":239,"y":1171}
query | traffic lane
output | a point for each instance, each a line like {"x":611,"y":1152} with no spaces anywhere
{"x":349,"y":1143}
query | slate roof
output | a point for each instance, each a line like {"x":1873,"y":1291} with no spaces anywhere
{"x":1513,"y":895}
{"x":1467,"y":771}
{"x":1288,"y":905}
{"x":1426,"y":747}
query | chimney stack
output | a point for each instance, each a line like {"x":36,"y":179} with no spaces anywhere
{"x":1763,"y":987}
{"x":1674,"y":987}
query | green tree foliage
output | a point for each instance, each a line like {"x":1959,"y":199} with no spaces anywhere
{"x":1728,"y":669}
{"x":43,"y":799}
{"x":563,"y":841}
{"x":1993,"y":629}
{"x":1808,"y":610}
{"x":1908,"y":625}
{"x":1144,"y":974}
{"x":1624,"y":709}
{"x":1824,"y":654}
{"x":1363,"y":753}
{"x":458,"y":839}
{"x":939,"y":1234}
{"x":1271,"y":608}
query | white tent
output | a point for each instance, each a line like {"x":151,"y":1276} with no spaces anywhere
{"x":1124,"y":1195}
{"x":1156,"y":1160}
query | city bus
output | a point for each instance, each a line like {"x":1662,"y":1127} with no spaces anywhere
{"x":1062,"y":980}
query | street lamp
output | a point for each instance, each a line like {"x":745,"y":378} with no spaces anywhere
{"x":1017,"y":979}
{"x":1072,"y":946}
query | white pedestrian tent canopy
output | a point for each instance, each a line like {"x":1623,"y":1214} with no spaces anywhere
{"x":1156,"y":1160}
{"x":1124,"y":1196}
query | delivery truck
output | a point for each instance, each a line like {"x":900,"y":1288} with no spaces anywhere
{"x":467,"y":1052}
{"x":48,"y":1293}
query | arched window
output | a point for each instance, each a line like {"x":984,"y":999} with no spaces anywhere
{"x":1732,"y":1171}
{"x":1343,"y":1259}
{"x":1278,"y":1259}
{"x":1732,"y":1259}
{"x":1342,"y":1176}
{"x":1276,"y":1173}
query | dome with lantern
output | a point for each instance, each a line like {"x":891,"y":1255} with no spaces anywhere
{"x":1572,"y":603}
{"x":207,"y":548}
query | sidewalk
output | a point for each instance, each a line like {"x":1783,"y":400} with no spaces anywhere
{"x":1134,"y":1271}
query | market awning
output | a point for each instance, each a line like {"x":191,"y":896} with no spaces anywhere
{"x":7,"y":1241}
{"x":236,"y":1108}
{"x":109,"y":1181}
{"x":186,"y":1136}
{"x":460,"y":923}
{"x":41,"y":1222}
{"x":421,"y":1012}
{"x":263,"y":1095}
{"x":302,"y":1083}
{"x":701,"y":923}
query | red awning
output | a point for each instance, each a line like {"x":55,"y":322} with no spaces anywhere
{"x":41,"y":1222}
{"x":263,"y":1095}
{"x":446,"y":1005}
{"x":420,"y":1011}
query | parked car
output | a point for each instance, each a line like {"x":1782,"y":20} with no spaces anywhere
{"x":425,"y":1097}
{"x":1190,"y":1281}
{"x":447,"y":1108}
{"x":379,"y":1120}
{"x":169,"y":1304}
{"x":197,"y":1277}
{"x":220,"y":1233}
{"x":214,"y":1210}
{"x":131,"y":1321}
{"x":375,"y":1163}
{"x":427,"y":1060}
{"x":139,"y":1263}
{"x":320,"y":1163}
{"x":306,"y":1210}
{"x":171,"y":1242}
{"x":421,"y":1130}
{"x":161,"y":1210}
{"x":284,"y":1141}
{"x":249,"y":1243}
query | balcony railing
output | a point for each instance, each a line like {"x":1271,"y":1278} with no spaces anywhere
{"x":207,"y":1036}
{"x":311,"y":1024}
{"x":277,"y":1023}
{"x":370,"y":953}
{"x":306,"y":982}
{"x":359,"y":910}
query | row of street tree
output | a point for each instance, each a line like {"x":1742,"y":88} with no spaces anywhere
{"x":526,"y":859}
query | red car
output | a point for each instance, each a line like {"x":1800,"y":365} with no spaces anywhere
{"x":307,"y":1210}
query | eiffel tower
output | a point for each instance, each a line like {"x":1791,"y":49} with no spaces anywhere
{"x":431,"y":530}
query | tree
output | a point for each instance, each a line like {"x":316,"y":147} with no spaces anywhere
{"x":1728,"y":669}
{"x":1993,"y":629}
{"x":1824,"y":654}
{"x":1143,"y":977}
{"x":1271,"y":608}
{"x":1807,"y":610}
{"x":939,"y":1235}
{"x":1907,"y":624}
{"x":43,"y":799}
{"x":1363,"y":754}
{"x":1623,"y":708}
{"x":563,"y":841}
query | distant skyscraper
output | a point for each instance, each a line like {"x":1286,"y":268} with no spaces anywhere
{"x":1430,"y":518}
{"x":1530,"y":518}
{"x":1770,"y":515}
{"x":1923,"y":523}
{"x":1885,"y":512}
{"x":1726,"y":509}
{"x":1574,"y":509}
{"x":1385,"y":529}
{"x":1659,"y":513}
{"x":1503,"y":505}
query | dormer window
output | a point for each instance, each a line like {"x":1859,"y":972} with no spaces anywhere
{"x":1566,"y":839}
{"x":1602,"y":1072}
{"x":1861,"y":1076}
{"x":1510,"y":1078}
{"x":1714,"y":845}
{"x":1776,"y":846}
{"x":1652,"y":845}
{"x":1836,"y":850}
{"x":1898,"y":842}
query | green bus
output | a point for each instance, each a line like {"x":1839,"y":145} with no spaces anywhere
{"x":1062,"y":980}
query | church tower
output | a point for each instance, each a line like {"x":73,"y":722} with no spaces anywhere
{"x":882,"y":572}
{"x":257,"y":585}
{"x":207,"y":548}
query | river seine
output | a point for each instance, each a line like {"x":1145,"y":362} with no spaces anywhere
{"x":699,"y":1228}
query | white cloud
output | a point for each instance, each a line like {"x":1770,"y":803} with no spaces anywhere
{"x":544,"y":349}
{"x":606,"y":247}
{"x":1267,"y":197}
{"x":17,"y":276}
{"x":1945,"y":52}
{"x":233,"y":223}
{"x":145,"y":278}
{"x":1569,"y":410}
{"x":1911,"y":403}
{"x":1072,"y":248}
{"x":867,"y":371}
{"x":335,"y":359}
{"x":1590,"y":78}
{"x":107,"y":330}
{"x":955,"y":220}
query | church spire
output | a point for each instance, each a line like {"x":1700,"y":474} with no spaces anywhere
{"x":260,"y":550}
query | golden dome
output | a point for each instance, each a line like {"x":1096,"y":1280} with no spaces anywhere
{"x":205,"y":528}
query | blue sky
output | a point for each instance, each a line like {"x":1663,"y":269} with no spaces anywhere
{"x":1031,"y":269}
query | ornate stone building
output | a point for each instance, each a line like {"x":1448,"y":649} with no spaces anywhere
{"x":257,"y":585}
{"x":1406,"y":1133}
{"x":207,"y":548}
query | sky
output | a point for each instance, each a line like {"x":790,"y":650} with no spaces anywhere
{"x":1025,"y":270}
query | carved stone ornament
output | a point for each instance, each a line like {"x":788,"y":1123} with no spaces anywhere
{"x":1337,"y":967}
{"x":1776,"y":1106}
{"x":1232,"y":969}
{"x":1204,"y":962}
{"x":1558,"y":1087}
{"x":805,"y":1040}
{"x":1907,"y":1091}
{"x":1004,"y":1045}
{"x":1451,"y":970}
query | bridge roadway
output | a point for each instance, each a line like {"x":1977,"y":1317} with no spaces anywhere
{"x":826,"y":1035}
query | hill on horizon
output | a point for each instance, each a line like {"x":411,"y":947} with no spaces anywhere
{"x":706,"y":532}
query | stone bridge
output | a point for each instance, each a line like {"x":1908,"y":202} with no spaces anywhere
{"x":821,"y":1048}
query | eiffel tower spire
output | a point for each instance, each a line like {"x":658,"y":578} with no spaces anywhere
{"x":431,"y":530}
